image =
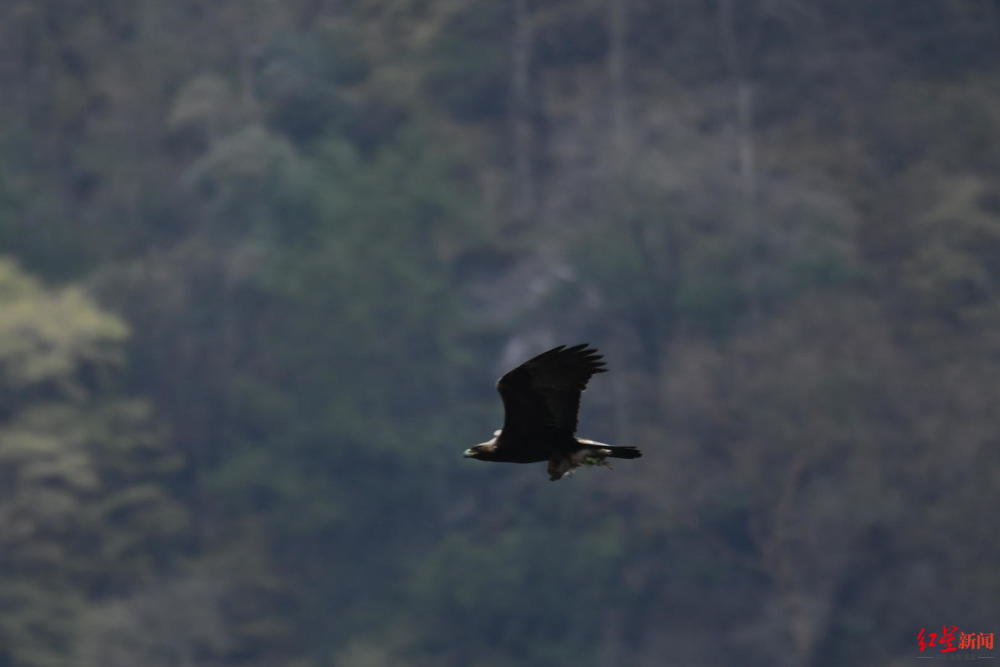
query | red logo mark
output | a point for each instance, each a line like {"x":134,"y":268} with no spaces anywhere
{"x":949,"y":634}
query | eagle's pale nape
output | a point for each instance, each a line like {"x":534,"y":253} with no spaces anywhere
{"x":541,"y":400}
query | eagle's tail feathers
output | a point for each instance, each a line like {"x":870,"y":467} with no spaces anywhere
{"x":611,"y":450}
{"x":624,"y":452}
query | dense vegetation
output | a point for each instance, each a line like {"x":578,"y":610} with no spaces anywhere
{"x":261,"y":262}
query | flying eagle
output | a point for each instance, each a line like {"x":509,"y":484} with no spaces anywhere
{"x":541,"y":400}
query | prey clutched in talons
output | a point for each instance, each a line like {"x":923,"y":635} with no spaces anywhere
{"x":566,"y":465}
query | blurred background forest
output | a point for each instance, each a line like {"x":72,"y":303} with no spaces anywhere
{"x":261,"y":263}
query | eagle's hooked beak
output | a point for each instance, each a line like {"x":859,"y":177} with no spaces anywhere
{"x":469,"y":453}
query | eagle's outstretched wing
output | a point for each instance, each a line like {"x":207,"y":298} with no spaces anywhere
{"x":542,"y":395}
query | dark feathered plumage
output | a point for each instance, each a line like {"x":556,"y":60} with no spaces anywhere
{"x":541,"y":400}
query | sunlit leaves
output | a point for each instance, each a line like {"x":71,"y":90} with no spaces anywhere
{"x":47,"y":336}
{"x":79,"y":503}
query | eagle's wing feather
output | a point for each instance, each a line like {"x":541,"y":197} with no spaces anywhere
{"x":543,"y":393}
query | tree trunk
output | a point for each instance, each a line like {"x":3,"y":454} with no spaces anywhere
{"x":523,"y":209}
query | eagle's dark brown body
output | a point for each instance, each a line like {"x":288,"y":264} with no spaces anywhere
{"x":541,"y":400}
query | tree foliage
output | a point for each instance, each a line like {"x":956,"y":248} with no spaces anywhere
{"x":85,"y":506}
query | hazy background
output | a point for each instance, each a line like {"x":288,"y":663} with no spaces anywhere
{"x":261,"y":263}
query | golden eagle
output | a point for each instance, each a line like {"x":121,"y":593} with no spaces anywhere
{"x":541,"y":400}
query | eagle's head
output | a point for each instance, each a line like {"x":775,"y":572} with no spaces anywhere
{"x":483,"y":450}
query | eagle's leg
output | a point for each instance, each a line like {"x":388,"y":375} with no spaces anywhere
{"x":560,"y":466}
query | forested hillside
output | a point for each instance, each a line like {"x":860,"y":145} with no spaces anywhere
{"x":262,"y":262}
